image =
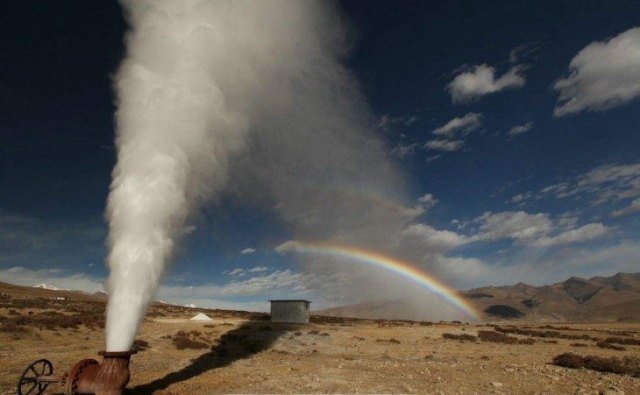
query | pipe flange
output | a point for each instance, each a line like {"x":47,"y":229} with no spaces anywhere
{"x":71,"y":387}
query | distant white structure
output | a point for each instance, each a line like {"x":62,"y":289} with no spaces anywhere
{"x":201,"y":317}
{"x":290,"y":311}
{"x":190,"y":305}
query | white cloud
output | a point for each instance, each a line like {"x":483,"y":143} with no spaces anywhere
{"x":247,"y":251}
{"x":472,"y":85}
{"x":251,"y":286}
{"x":402,"y":151}
{"x":602,"y":75}
{"x":258,"y":269}
{"x":464,"y":125}
{"x":604,"y":184}
{"x":435,"y":241}
{"x":516,"y":130}
{"x":632,"y":208}
{"x":523,"y":51}
{"x":427,"y":201}
{"x":288,"y":246}
{"x":512,"y":225}
{"x":470,"y":269}
{"x":584,"y":233}
{"x":520,"y":198}
{"x":237,"y":272}
{"x":444,"y":145}
{"x":411,"y":121}
{"x":433,"y":158}
{"x":567,"y":221}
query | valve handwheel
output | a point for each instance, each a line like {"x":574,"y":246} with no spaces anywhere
{"x":28,"y":383}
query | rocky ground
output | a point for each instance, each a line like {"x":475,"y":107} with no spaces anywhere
{"x":245,"y":354}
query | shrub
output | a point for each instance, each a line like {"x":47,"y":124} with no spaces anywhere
{"x":140,"y":345}
{"x":463,"y":337}
{"x":569,"y":360}
{"x":610,"y":346}
{"x":626,"y":342}
{"x":544,"y":334}
{"x":10,"y":328}
{"x":627,"y":366}
{"x":392,"y":341}
{"x":579,"y":345}
{"x":188,"y":340}
{"x":496,"y":337}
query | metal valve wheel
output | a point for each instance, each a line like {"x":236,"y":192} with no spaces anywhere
{"x":28,"y":383}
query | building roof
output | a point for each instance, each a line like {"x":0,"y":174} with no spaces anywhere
{"x":289,"y":300}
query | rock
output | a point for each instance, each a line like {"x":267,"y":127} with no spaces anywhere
{"x":612,"y":391}
{"x":496,"y":384}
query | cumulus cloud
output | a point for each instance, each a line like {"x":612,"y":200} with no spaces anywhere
{"x":516,"y":130}
{"x":247,"y":251}
{"x":288,"y":246}
{"x":427,"y":201}
{"x":481,"y":81}
{"x":518,"y":225}
{"x":258,"y":269}
{"x":436,"y":241}
{"x":604,"y":74}
{"x":584,"y":233}
{"x":463,"y":125}
{"x":444,"y":145}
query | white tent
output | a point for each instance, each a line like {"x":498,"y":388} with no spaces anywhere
{"x":201,"y":317}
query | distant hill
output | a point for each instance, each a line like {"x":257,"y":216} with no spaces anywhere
{"x":46,"y":291}
{"x":615,"y":298}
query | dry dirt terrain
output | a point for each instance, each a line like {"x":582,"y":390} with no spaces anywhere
{"x":242,"y":353}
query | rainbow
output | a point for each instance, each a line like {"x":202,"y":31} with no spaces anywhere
{"x":393,"y":265}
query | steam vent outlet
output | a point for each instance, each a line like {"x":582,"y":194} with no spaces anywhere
{"x":87,"y":376}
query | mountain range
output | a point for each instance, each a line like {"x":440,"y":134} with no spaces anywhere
{"x":615,"y":298}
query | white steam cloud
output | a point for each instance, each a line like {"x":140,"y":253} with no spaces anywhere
{"x":248,"y":94}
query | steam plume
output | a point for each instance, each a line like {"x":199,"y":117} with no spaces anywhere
{"x":254,"y":89}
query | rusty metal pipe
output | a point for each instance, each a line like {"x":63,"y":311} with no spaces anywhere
{"x":108,"y":378}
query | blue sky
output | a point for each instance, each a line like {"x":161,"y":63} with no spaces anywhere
{"x":514,"y":129}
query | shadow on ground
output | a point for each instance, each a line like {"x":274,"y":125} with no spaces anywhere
{"x":242,"y":342}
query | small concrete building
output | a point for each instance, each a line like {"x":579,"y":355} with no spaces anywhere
{"x":290,"y":311}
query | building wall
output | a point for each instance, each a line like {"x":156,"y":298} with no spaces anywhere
{"x":290,"y":312}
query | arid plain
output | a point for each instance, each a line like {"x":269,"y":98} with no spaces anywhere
{"x":241,"y":352}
